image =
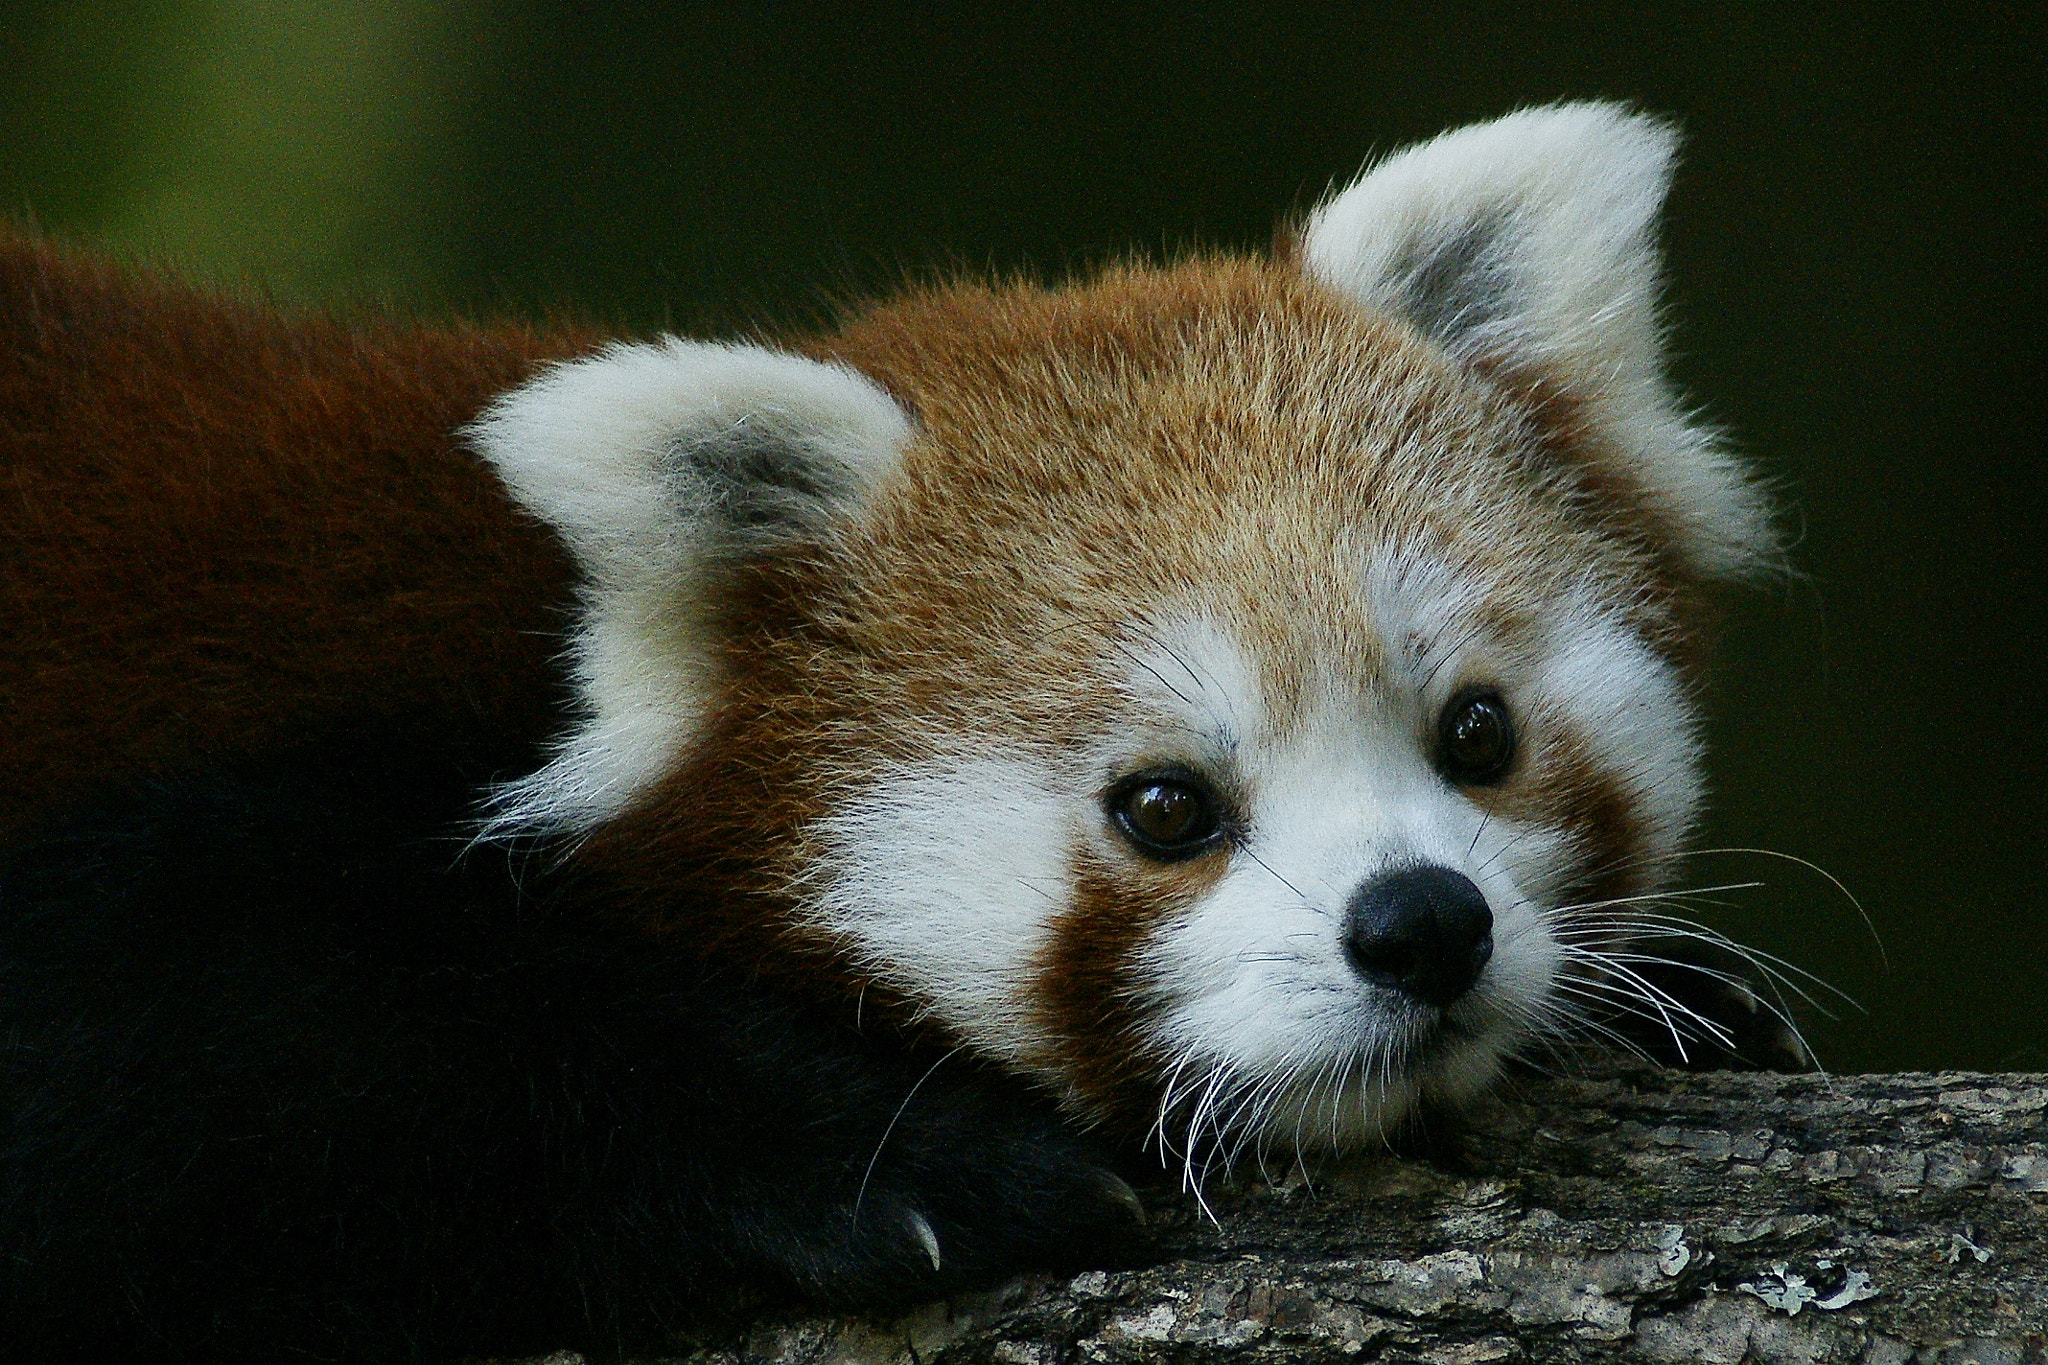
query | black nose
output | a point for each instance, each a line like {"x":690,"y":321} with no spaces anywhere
{"x":1425,"y":931}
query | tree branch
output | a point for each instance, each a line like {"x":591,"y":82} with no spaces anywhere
{"x":1631,"y":1215}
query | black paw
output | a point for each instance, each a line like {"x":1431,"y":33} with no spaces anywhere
{"x":973,"y":1181}
{"x":1700,"y":1015}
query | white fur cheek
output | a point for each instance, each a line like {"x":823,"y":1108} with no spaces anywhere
{"x":1517,"y":992}
{"x":945,"y":878}
{"x":1268,"y":1035}
{"x":1254,"y":1007}
{"x":1247,"y":976}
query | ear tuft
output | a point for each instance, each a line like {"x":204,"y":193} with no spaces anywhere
{"x":1526,"y":247}
{"x":660,"y":464}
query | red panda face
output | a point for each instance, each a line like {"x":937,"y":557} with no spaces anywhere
{"x":1225,"y":692}
{"x":1145,"y":674}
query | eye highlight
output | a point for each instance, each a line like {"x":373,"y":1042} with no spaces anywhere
{"x":1475,"y":742}
{"x":1167,"y":816}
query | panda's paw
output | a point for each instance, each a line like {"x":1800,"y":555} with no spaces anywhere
{"x":906,"y":1247}
{"x":947,"y":1205}
{"x":1101,"y":1213}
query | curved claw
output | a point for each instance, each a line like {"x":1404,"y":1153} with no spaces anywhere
{"x":921,"y":1228}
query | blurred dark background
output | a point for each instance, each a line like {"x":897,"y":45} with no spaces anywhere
{"x":1855,"y":246}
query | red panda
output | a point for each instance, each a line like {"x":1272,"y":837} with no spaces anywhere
{"x":516,"y":834}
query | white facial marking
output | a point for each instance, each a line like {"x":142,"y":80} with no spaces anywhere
{"x":1197,"y":694}
{"x":1259,"y":983}
{"x":946,"y":877}
{"x":1429,"y":615}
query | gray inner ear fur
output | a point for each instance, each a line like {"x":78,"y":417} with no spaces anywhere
{"x":1458,"y":288}
{"x":1527,"y":247}
{"x":758,"y":482}
{"x":659,"y":465}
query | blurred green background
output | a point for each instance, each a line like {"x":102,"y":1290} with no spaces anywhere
{"x":1855,"y":244}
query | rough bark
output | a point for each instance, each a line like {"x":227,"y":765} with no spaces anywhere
{"x":1628,"y":1216}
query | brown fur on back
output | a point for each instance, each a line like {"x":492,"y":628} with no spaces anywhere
{"x":220,"y":527}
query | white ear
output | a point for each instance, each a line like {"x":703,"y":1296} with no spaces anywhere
{"x":1527,"y":247}
{"x":658,"y":464}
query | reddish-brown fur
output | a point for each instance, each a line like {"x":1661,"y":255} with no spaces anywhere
{"x":223,"y":527}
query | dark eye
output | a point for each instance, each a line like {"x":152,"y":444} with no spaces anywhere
{"x":1167,"y":816}
{"x":1475,"y":739}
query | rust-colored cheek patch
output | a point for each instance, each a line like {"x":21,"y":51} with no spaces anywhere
{"x":1592,"y":805}
{"x":1094,"y":994}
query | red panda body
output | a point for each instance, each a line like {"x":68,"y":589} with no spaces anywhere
{"x":512,"y":838}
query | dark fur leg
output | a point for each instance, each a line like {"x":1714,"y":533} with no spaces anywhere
{"x":279,"y":1074}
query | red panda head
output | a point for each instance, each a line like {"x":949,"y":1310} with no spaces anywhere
{"x":1217,"y":690}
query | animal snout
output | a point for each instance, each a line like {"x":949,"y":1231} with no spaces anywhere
{"x":1424,"y":931}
